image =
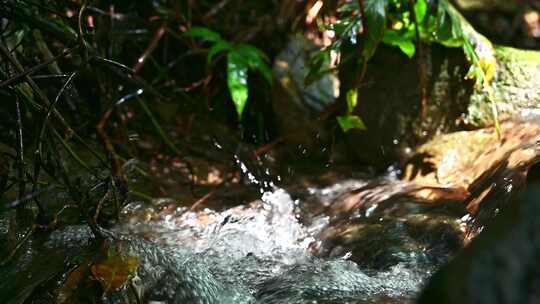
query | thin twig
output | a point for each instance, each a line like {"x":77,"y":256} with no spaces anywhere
{"x":157,"y":126}
{"x":20,"y":151}
{"x":17,"y":78}
{"x":117,"y":171}
{"x":16,"y":64}
{"x":80,"y":34}
{"x":18,"y":246}
{"x":27,"y":197}
{"x":421,"y":66}
{"x":365,"y":29}
{"x":100,"y":206}
{"x":151,"y":47}
{"x":51,"y":107}
{"x":202,"y":200}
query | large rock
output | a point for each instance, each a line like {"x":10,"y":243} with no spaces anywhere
{"x":500,"y":266}
{"x":389,"y":101}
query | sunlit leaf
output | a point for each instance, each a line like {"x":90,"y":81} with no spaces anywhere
{"x":204,"y":33}
{"x":237,"y":81}
{"x":218,"y":47}
{"x":349,"y":122}
{"x":420,"y":10}
{"x":376,"y":20}
{"x":115,"y":271}
{"x":477,"y":48}
{"x":352,"y":100}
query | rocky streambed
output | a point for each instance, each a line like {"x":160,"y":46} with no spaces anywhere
{"x":375,"y":239}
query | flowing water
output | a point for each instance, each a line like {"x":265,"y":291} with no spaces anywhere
{"x":352,"y":240}
{"x":265,"y":248}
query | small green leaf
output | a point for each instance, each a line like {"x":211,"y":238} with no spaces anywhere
{"x":237,"y":81}
{"x":404,"y":41}
{"x":347,"y":27}
{"x":352,"y":100}
{"x":349,"y":122}
{"x":218,"y":47}
{"x":318,"y":66}
{"x":204,"y":33}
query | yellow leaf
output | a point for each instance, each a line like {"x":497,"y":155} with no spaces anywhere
{"x":115,"y":271}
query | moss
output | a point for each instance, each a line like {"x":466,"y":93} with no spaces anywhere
{"x":516,"y":86}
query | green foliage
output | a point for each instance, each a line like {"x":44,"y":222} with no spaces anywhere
{"x":241,"y":57}
{"x":237,"y":81}
{"x":376,"y":23}
{"x":205,"y":33}
{"x":396,"y":23}
{"x":350,"y":121}
{"x":436,"y":22}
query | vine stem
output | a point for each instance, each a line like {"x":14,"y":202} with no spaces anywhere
{"x":420,"y":64}
{"x":363,"y":19}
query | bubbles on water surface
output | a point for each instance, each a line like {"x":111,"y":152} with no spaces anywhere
{"x":263,"y":248}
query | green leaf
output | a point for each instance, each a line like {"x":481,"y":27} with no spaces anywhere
{"x":255,"y":59}
{"x":376,"y":20}
{"x":352,"y":100}
{"x":405,"y":41}
{"x":347,"y":27}
{"x":218,"y":47}
{"x":318,"y":66}
{"x":237,"y":81}
{"x":420,"y":10}
{"x":204,"y":33}
{"x":349,"y":122}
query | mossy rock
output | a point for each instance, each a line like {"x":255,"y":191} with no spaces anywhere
{"x":516,"y":87}
{"x":389,"y":102}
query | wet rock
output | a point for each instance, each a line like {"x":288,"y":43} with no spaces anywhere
{"x":457,"y":184}
{"x":499,"y":266}
{"x":489,"y":171}
{"x":396,"y":231}
{"x":296,"y":103}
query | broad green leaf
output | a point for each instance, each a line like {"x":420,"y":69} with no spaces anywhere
{"x":376,"y":20}
{"x":218,"y":47}
{"x":445,"y":33}
{"x":352,"y":100}
{"x":349,"y":122}
{"x":237,"y":81}
{"x":251,"y":52}
{"x":255,"y":59}
{"x":404,"y":41}
{"x":204,"y":33}
{"x":420,"y":10}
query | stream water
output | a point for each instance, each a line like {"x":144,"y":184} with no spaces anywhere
{"x":266,"y":250}
{"x":351,"y":240}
